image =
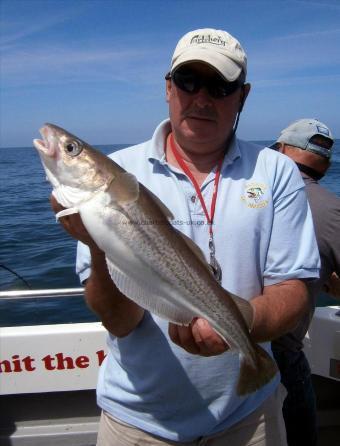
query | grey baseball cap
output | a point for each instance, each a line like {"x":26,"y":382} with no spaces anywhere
{"x":300,"y":132}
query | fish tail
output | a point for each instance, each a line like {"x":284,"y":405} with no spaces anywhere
{"x":254,"y":375}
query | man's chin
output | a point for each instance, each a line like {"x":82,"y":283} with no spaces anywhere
{"x":197,"y":132}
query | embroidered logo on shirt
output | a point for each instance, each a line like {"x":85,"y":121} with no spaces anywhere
{"x":254,"y":195}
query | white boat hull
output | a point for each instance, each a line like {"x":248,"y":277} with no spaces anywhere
{"x":48,"y":374}
{"x":322,"y":343}
{"x":51,"y":358}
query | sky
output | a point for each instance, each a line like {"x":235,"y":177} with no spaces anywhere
{"x":96,"y":67}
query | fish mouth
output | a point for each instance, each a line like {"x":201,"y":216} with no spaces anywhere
{"x":46,"y":145}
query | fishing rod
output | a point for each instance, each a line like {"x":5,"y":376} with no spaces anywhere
{"x":16,"y":274}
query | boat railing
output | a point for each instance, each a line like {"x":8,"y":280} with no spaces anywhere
{"x":41,"y":294}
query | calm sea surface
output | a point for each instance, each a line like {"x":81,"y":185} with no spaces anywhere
{"x":36,"y":248}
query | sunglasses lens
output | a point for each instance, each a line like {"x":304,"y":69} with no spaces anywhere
{"x":186,"y":81}
{"x":191,"y":82}
{"x":218,"y":88}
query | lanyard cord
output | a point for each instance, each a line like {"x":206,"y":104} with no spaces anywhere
{"x":186,"y":170}
{"x":215,"y":266}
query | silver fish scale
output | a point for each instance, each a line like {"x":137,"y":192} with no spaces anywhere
{"x":143,"y":235}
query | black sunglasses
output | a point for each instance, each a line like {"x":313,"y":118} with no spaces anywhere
{"x":191,"y":82}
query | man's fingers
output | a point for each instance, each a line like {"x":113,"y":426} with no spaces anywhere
{"x":209,"y":342}
{"x":55,"y":205}
{"x":199,"y":338}
{"x":183,"y":337}
{"x":74,"y":226}
{"x":71,"y":223}
{"x":53,"y":201}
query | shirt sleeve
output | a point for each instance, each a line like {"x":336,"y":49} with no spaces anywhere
{"x":293,"y":251}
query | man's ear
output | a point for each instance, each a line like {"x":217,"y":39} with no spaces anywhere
{"x":282,"y":147}
{"x":167,"y":89}
{"x":244,"y":93}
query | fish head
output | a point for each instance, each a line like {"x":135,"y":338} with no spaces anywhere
{"x":74,"y":169}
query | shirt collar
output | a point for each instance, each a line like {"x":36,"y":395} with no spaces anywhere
{"x":158,"y":139}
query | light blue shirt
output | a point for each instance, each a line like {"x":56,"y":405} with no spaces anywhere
{"x":263,"y":233}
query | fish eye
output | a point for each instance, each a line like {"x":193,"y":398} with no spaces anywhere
{"x":73,"y":148}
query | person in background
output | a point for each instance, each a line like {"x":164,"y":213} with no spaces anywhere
{"x":163,"y":384}
{"x":332,"y":286}
{"x":309,"y":143}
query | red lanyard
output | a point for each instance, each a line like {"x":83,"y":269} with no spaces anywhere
{"x":186,"y":170}
{"x":216,"y":268}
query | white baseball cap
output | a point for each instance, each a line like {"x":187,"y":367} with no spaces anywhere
{"x":214,"y":47}
{"x":300,"y":132}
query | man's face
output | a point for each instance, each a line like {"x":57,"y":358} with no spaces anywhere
{"x":199,"y":118}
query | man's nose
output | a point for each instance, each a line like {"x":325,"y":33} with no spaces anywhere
{"x":202,"y":97}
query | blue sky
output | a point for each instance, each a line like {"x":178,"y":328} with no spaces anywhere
{"x":96,"y":67}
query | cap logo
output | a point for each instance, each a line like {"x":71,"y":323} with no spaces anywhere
{"x":323,"y":130}
{"x":202,"y":38}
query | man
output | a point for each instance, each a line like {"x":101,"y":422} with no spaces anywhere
{"x":246,"y":208}
{"x":309,"y":143}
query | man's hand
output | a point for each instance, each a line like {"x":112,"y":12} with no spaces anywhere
{"x":332,"y":287}
{"x":73,"y":225}
{"x":198,"y":338}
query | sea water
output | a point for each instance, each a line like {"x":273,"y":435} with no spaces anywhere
{"x":36,"y":253}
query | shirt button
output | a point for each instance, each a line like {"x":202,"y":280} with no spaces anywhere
{"x":193,"y":198}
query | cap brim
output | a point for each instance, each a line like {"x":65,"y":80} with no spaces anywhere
{"x":225,"y":66}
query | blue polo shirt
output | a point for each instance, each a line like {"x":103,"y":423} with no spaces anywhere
{"x":263,"y":233}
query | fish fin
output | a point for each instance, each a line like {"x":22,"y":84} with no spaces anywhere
{"x":246,"y":309}
{"x":65,"y":212}
{"x":254,"y":376}
{"x":146,"y":297}
{"x":124,"y":188}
